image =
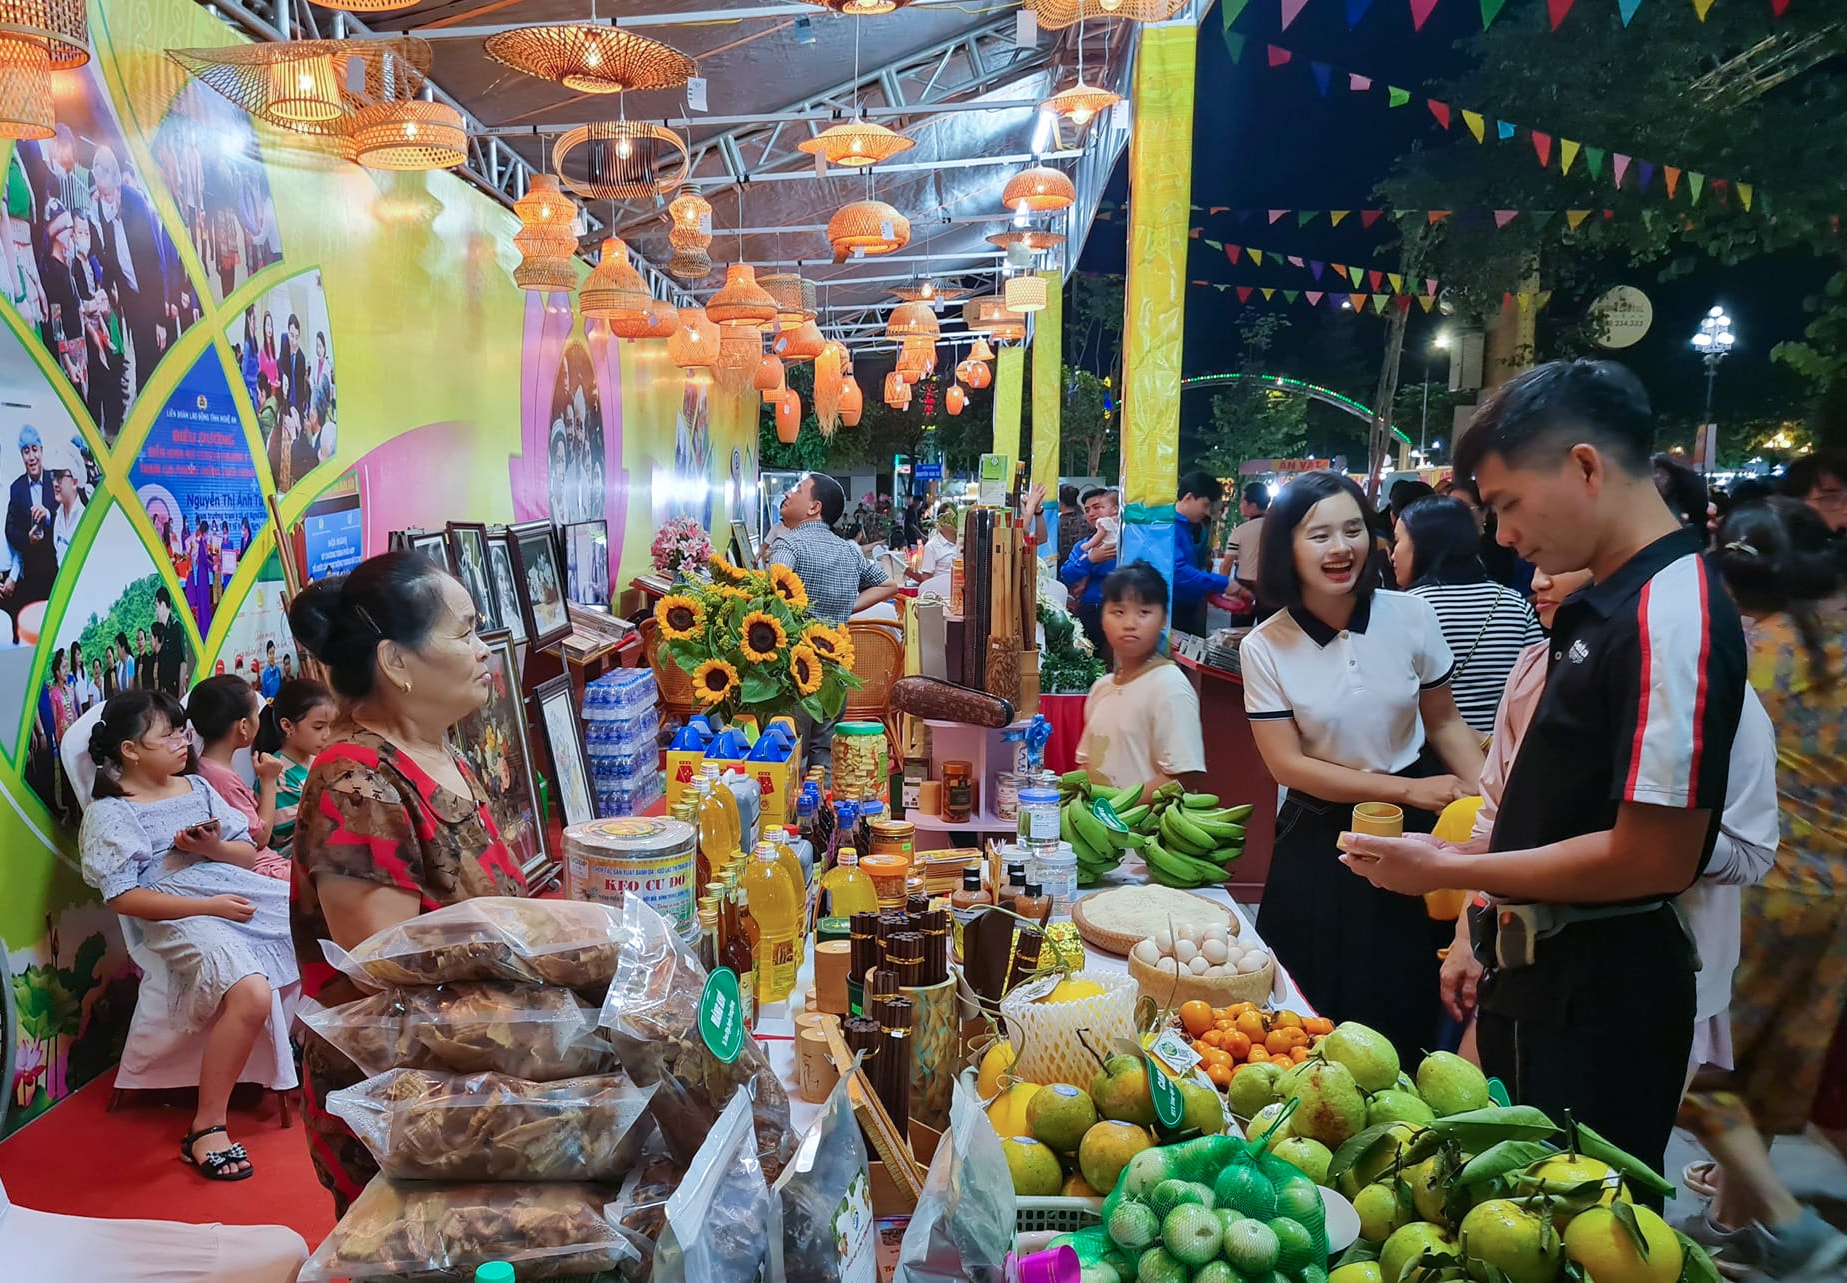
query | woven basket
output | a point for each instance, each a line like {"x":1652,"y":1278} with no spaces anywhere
{"x":1219,"y":991}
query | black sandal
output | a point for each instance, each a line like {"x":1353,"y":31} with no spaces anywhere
{"x":213,"y":1165}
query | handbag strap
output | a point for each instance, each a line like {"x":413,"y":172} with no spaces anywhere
{"x":1463,"y":663}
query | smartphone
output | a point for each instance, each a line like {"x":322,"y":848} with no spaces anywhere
{"x":201,"y":831}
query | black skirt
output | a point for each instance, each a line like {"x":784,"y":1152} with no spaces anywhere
{"x":1356,"y":952}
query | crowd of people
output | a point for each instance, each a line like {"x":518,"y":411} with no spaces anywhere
{"x":293,"y":392}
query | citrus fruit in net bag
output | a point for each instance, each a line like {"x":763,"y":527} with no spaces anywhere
{"x":1191,"y":1233}
{"x":1294,"y":1248}
{"x":1246,"y":1190}
{"x":1134,"y":1226}
{"x":1251,"y":1247}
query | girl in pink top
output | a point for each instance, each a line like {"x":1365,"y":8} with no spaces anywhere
{"x":223,"y":710}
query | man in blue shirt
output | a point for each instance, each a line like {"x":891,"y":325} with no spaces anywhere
{"x":272,"y":676}
{"x":1199,"y":493}
{"x":1090,"y":563}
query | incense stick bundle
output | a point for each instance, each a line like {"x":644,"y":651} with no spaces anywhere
{"x":936,"y":946}
{"x":891,"y":1076}
{"x":863,"y":941}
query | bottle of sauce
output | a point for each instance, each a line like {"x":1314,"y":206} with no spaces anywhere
{"x":871,"y":811}
{"x":965,"y":904}
{"x":1016,"y":883}
{"x":1033,"y":904}
{"x":847,"y":888}
{"x":734,"y":952}
{"x":764,"y":887}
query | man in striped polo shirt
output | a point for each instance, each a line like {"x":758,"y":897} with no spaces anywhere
{"x":1613,"y":803}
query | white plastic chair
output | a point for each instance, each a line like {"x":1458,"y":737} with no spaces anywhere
{"x":154,"y":1057}
{"x":49,"y":1245}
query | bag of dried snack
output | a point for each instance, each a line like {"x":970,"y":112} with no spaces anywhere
{"x":411,"y":1232}
{"x":527,"y":1031}
{"x":652,"y":1017}
{"x":826,"y":1197}
{"x":963,"y":1226}
{"x":558,"y":942}
{"x":723,"y":1224}
{"x":490,"y":1127}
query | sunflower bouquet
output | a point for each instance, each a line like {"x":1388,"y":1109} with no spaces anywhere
{"x":748,"y":641}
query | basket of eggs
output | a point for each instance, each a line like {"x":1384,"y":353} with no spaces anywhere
{"x":1201,"y":963}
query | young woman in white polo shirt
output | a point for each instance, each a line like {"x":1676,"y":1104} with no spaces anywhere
{"x":1347,"y":689}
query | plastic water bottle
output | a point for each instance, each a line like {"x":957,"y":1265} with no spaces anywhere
{"x":494,"y":1272}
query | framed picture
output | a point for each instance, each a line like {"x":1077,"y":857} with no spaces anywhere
{"x":564,"y":731}
{"x":743,"y":547}
{"x":586,"y":554}
{"x":433,"y":544}
{"x":503,"y":583}
{"x":468,"y":553}
{"x":493,"y":742}
{"x":539,"y":574}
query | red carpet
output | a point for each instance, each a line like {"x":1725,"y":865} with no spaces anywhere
{"x":82,"y":1160}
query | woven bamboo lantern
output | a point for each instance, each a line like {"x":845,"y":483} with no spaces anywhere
{"x":1032,"y":238}
{"x":912,"y":321}
{"x":741,"y":301}
{"x":305,"y":92}
{"x":589,"y":59}
{"x":40,"y":37}
{"x":1025,"y":294}
{"x":788,"y":417}
{"x":955,"y":399}
{"x":1080,"y":103}
{"x":694,"y":341}
{"x":856,"y":143}
{"x":896,"y":389}
{"x":690,"y":265}
{"x":692,"y":221}
{"x":614,"y":292}
{"x":828,"y":382}
{"x":740,"y":352}
{"x":869,"y":227}
{"x":979,"y":375}
{"x":794,"y":297}
{"x":981,"y":351}
{"x":408,"y":135}
{"x":768,"y":378}
{"x":861,"y":8}
{"x":803,"y":343}
{"x":1039,"y":190}
{"x":852,"y":403}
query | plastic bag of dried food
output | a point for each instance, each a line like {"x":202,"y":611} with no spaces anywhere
{"x":723,"y":1224}
{"x":963,"y":1226}
{"x":526,"y":1031}
{"x":639,"y":1208}
{"x":558,"y":942}
{"x":411,"y":1232}
{"x":652,"y":1016}
{"x":428,"y":1126}
{"x":826,"y":1198}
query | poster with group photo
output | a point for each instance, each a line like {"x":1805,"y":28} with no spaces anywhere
{"x":195,"y":477}
{"x":207,"y":155}
{"x":90,"y":268}
{"x":283,"y":347}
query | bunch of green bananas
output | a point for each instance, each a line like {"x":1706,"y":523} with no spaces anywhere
{"x":1187,"y":839}
{"x":1099,"y":846}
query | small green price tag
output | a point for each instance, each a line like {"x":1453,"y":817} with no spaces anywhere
{"x":1169,"y":1108}
{"x":1106,"y":813}
{"x":1497,"y":1092}
{"x":721,"y":1015}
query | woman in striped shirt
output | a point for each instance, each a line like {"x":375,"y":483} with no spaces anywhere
{"x":1436,"y":557}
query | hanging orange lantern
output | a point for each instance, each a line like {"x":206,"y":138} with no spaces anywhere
{"x":955,"y":399}
{"x":768,"y":379}
{"x":788,"y":416}
{"x":694,"y":341}
{"x":981,"y":351}
{"x":828,"y":382}
{"x":852,"y":403}
{"x":979,"y":375}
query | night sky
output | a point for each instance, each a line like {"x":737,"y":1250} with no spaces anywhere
{"x":1266,"y":139}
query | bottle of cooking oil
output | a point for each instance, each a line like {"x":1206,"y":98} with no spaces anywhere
{"x":798,"y":886}
{"x":716,"y":839}
{"x":777,"y":913}
{"x":726,"y":799}
{"x":848,"y":889}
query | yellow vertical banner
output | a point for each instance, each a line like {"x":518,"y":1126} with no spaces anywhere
{"x":1009,"y":376}
{"x":1154,"y":309}
{"x":1048,"y":382}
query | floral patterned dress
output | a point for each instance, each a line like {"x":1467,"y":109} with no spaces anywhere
{"x":370,"y":813}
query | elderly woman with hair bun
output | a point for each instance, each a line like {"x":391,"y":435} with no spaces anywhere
{"x":392,"y":823}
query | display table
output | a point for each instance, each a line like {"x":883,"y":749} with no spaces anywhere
{"x":1235,"y":770}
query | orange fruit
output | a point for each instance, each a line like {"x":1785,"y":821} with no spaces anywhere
{"x":1237,"y":1044}
{"x":1201,"y":1047}
{"x":1219,"y":1074}
{"x":1239,"y":1008}
{"x":1214,"y":1056}
{"x":1250,"y":1024}
{"x":1299,"y":1054}
{"x":1318,"y":1025}
{"x":1287,"y":1020}
{"x":1277,"y":1042}
{"x":1196,"y":1016}
{"x":1258,"y":1053}
{"x":1225,"y":1022}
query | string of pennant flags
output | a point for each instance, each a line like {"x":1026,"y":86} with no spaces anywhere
{"x":1360,"y":301}
{"x":1376,"y":278}
{"x":1490,"y":10}
{"x":1498,"y":218}
{"x":1547,"y":147}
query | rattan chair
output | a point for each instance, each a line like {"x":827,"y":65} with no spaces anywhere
{"x":675,"y":686}
{"x":878,"y":661}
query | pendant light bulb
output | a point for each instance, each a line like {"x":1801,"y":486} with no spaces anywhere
{"x":1020,"y":213}
{"x":1109,"y":6}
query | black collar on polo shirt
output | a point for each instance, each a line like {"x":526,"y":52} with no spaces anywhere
{"x":1319,"y":633}
{"x":1606,"y":597}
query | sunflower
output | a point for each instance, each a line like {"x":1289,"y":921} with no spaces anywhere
{"x":714,"y":681}
{"x":681,"y":617}
{"x":762,"y":637}
{"x":805,"y":668}
{"x":725,"y":571}
{"x":728,"y":592}
{"x":826,"y":642}
{"x":788,"y":585}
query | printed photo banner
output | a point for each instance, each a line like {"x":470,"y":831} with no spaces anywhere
{"x":1490,"y":10}
{"x":1547,"y":147}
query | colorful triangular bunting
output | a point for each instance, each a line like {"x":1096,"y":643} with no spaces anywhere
{"x":1437,"y":215}
{"x":1304,"y":217}
{"x":1292,"y":9}
{"x":1335,"y":215}
{"x":1702,"y":8}
{"x":1296,"y":260}
{"x":1234,"y":45}
{"x":1314,"y":297}
{"x":1229,"y":11}
{"x":1356,"y":9}
{"x":1316,"y":268}
{"x":1324,"y":76}
{"x":1542,"y":144}
{"x":1694,"y":183}
{"x":1476,"y":122}
{"x":1627,"y":9}
{"x":1276,"y":214}
{"x":1356,"y":274}
{"x":1490,"y":10}
{"x":1574,"y":218}
{"x":1375,"y":278}
{"x":1502,"y":217}
{"x":1505,"y":129}
{"x":1279,"y":55}
{"x":1244,"y":293}
{"x":1421,"y":10}
{"x":1379,"y":301}
{"x":1269,"y":292}
{"x":1745,"y":190}
{"x":1567,"y":153}
{"x":1256,"y":256}
{"x":1397,"y":280}
{"x":1357,"y":83}
{"x":1593,"y":160}
{"x":1645,"y":174}
{"x":1672,"y":177}
{"x":1430,"y":285}
{"x":1232,"y":252}
{"x":1290,"y":296}
{"x":1427,"y":300}
{"x":1369,"y":216}
{"x":1441,"y":111}
{"x":1397,"y":97}
{"x":1556,"y":10}
{"x":1619,"y":166}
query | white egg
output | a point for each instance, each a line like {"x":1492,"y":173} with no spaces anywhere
{"x":1164,"y":940}
{"x":1185,"y":950}
{"x":1215,"y":932}
{"x":1198,"y":965}
{"x":1234,"y":951}
{"x":1167,"y":966}
{"x":1213,"y":951}
{"x":1215,"y":969}
{"x":1254,"y":961}
{"x":1186,"y":931}
{"x":1146,"y":952}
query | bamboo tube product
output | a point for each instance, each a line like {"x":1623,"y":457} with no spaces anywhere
{"x":814,"y":1067}
{"x":832,"y":963}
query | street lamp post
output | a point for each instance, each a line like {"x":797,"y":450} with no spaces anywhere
{"x":1440,"y":343}
{"x":1713,"y":341}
